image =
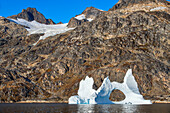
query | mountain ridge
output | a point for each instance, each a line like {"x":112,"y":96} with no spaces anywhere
{"x":31,"y":14}
{"x":109,"y":45}
{"x":125,"y":3}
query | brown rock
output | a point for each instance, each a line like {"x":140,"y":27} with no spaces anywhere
{"x":125,"y":3}
{"x":89,"y":12}
{"x":31,"y":14}
{"x":60,"y":23}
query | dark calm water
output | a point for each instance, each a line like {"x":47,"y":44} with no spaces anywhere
{"x":66,"y":108}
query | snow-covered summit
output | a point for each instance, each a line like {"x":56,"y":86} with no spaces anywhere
{"x":101,"y":96}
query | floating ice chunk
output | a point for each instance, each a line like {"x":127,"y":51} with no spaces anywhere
{"x":130,"y":89}
{"x":87,"y":95}
{"x":130,"y":82}
{"x":86,"y":87}
{"x":78,"y":100}
{"x":104,"y":91}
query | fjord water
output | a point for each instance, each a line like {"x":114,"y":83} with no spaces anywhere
{"x":66,"y":108}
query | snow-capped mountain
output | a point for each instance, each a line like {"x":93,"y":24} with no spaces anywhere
{"x":94,"y":43}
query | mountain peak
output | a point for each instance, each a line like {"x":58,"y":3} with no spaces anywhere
{"x":91,"y":8}
{"x":92,"y":12}
{"x":29,"y":9}
{"x":31,"y":14}
{"x":89,"y":14}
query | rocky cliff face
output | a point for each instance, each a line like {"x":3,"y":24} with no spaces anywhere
{"x":89,"y":13}
{"x":129,"y":3}
{"x":31,"y":14}
{"x":108,"y":46}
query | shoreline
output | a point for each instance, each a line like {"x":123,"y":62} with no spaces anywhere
{"x":160,"y":102}
{"x":42,"y":101}
{"x":66,"y":102}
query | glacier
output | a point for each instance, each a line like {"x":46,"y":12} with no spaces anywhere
{"x":35,"y":27}
{"x":87,"y":95}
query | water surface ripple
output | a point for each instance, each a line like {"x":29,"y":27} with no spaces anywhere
{"x":66,"y":108}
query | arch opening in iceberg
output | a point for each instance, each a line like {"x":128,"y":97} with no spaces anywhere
{"x":117,"y":95}
{"x":87,"y":95}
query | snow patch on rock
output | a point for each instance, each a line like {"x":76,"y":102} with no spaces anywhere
{"x":89,"y":19}
{"x":35,"y":27}
{"x":82,"y":16}
{"x":158,"y":8}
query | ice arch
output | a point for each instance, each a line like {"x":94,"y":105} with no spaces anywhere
{"x":87,"y":95}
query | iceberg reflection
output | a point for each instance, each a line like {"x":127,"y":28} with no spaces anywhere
{"x":86,"y":108}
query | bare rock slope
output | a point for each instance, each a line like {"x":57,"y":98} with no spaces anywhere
{"x":89,"y":12}
{"x":130,"y":3}
{"x":108,"y":46}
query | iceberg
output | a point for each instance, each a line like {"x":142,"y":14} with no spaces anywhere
{"x":87,"y":95}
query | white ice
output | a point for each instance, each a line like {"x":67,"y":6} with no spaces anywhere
{"x":85,"y":92}
{"x":130,"y":89}
{"x":103,"y":93}
{"x":158,"y":8}
{"x":36,"y":27}
{"x":89,"y":19}
{"x":82,"y":16}
{"x":86,"y":87}
{"x":87,"y":95}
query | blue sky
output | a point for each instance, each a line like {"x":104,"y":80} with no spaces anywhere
{"x":57,"y":10}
